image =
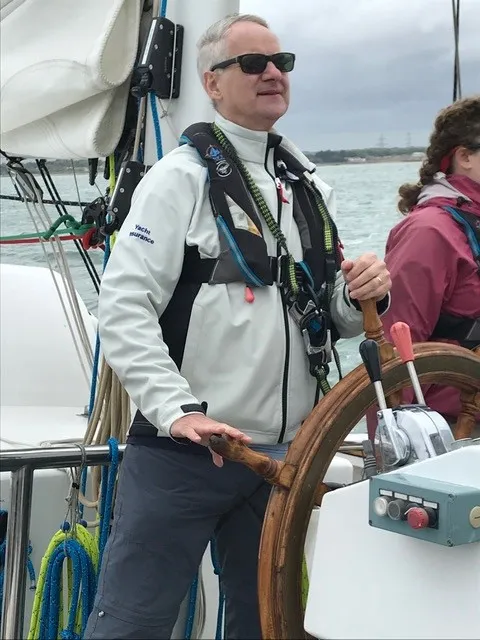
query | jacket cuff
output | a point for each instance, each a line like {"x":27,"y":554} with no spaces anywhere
{"x":188,"y":409}
{"x":383,"y":305}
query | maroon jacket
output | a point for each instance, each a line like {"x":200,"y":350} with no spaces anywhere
{"x":433,"y":271}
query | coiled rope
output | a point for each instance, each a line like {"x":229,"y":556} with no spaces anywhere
{"x":83,"y":554}
{"x":79,"y":548}
{"x":30,"y":568}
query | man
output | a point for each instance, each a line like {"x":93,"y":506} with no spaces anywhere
{"x":195,"y":252}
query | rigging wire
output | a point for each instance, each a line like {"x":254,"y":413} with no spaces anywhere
{"x":457,"y":86}
{"x":54,"y":195}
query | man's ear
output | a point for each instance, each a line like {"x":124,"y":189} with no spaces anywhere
{"x":211,"y":85}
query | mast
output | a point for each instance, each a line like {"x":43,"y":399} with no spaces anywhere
{"x":457,"y":86}
{"x":193,"y":104}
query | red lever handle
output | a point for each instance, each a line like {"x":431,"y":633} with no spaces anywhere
{"x":401,"y":336}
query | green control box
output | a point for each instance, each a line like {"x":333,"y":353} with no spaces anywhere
{"x":426,"y":509}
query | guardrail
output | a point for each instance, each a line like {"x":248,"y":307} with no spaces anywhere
{"x":22,"y":463}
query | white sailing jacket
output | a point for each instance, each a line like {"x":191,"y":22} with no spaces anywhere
{"x":240,"y":358}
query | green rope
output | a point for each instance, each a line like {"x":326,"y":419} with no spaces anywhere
{"x":327,"y":230}
{"x":321,"y":377}
{"x":72,"y":226}
{"x":270,"y":221}
{"x":305,"y":583}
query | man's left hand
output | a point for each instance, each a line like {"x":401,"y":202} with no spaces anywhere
{"x":366,"y":277}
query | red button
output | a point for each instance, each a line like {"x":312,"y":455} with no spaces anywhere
{"x":417,"y":518}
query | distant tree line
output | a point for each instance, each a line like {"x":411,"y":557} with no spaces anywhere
{"x":334,"y":156}
{"x":318,"y":157}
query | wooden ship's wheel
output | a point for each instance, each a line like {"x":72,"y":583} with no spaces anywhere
{"x":298,"y":481}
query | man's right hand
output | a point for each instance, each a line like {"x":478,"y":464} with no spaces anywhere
{"x":198,"y":428}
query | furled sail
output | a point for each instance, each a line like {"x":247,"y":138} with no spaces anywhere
{"x":64,"y":79}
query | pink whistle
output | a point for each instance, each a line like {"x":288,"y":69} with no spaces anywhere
{"x":402,"y":339}
{"x":249,"y":297}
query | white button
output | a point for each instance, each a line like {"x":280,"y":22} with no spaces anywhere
{"x":475,"y":517}
{"x":380,"y":505}
{"x":101,"y":614}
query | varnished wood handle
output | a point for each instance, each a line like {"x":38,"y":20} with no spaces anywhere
{"x":237,"y":451}
{"x":372,"y":325}
{"x":467,"y":419}
{"x":260,"y":464}
{"x":373,"y":328}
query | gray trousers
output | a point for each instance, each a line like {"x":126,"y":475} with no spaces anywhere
{"x":169,"y":504}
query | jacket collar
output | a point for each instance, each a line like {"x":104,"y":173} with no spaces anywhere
{"x":252,"y":146}
{"x":467,"y":187}
{"x":442,"y":190}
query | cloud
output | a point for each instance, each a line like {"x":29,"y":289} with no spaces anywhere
{"x":366,"y":67}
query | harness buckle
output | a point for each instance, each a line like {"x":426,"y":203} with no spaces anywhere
{"x":317,"y":355}
{"x":279,"y":265}
{"x":473,"y":334}
{"x":316,"y":335}
{"x":280,"y":271}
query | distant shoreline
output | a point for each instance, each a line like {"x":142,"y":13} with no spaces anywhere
{"x":327,"y":158}
{"x":368,"y":161}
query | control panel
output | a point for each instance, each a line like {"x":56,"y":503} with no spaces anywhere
{"x":424,"y":508}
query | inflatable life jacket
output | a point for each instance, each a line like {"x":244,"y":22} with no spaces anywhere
{"x":307,"y":286}
{"x":466,"y":331}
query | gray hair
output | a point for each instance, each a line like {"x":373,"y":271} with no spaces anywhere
{"x":211,"y":48}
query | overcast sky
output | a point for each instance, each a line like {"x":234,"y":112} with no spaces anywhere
{"x":371,"y":67}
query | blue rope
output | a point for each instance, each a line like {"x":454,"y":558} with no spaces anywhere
{"x":221,"y":595}
{"x":84,"y":585}
{"x":192,"y":603}
{"x":156,"y":125}
{"x":96,"y":359}
{"x":153,"y":101}
{"x":93,"y":385}
{"x":30,"y":567}
{"x":109,"y":474}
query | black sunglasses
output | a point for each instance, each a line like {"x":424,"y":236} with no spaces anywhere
{"x":254,"y":63}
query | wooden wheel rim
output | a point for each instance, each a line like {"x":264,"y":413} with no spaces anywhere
{"x":288,"y":511}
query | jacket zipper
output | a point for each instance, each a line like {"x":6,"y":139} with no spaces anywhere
{"x":285,"y":316}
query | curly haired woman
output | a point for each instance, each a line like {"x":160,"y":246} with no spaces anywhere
{"x":434,"y":266}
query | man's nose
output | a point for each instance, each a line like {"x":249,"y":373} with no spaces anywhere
{"x":271,"y":71}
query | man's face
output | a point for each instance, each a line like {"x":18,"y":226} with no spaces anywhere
{"x":255,"y":101}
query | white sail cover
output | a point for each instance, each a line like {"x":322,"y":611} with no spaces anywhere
{"x":64,"y":76}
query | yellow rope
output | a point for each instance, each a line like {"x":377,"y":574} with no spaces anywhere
{"x":111,"y":165}
{"x":86,"y":540}
{"x":305,"y":583}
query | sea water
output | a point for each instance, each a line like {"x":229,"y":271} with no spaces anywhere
{"x":366,"y":211}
